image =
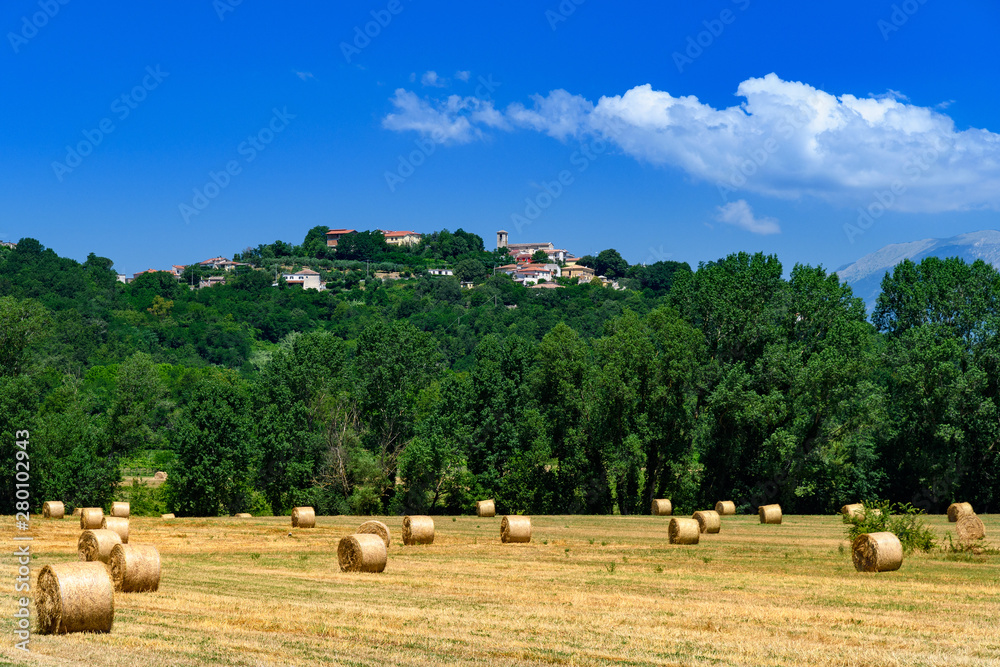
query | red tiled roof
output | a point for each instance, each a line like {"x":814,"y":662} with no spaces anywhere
{"x":340,"y":231}
{"x":545,"y":286}
{"x":387,"y":233}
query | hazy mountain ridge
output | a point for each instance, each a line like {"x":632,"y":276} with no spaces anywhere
{"x":865,"y":275}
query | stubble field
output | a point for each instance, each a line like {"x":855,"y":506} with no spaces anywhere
{"x":586,"y":591}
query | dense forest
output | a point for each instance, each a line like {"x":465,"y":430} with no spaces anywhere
{"x":735,"y":380}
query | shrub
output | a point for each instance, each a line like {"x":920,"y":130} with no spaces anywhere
{"x":902,"y":519}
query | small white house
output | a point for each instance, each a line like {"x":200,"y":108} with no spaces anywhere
{"x":440,"y":272}
{"x":308,"y":278}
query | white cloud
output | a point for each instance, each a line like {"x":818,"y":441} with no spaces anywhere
{"x":453,"y":120}
{"x":739,"y":214}
{"x":431,"y":79}
{"x":463,"y":75}
{"x":304,"y":75}
{"x":785,"y":139}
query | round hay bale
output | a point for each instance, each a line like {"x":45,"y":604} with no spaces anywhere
{"x":725,"y":508}
{"x":376,"y":528}
{"x":91,"y":518}
{"x":303,"y":517}
{"x":955,"y":510}
{"x":117,"y":524}
{"x":77,"y":512}
{"x":877,"y":552}
{"x":120,"y":510}
{"x":363,"y":552}
{"x":709,"y":521}
{"x":160,"y":476}
{"x":244,"y":515}
{"x":96,"y":545}
{"x":662,"y":507}
{"x":769,"y":513}
{"x":74,"y":597}
{"x":486,"y":508}
{"x":135,"y":568}
{"x":684,"y":531}
{"x":515,"y":529}
{"x":418,"y":530}
{"x":970,"y":528}
{"x":852,"y":510}
{"x":53,"y":509}
{"x":168,"y":516}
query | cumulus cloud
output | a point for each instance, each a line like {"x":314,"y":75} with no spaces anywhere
{"x":739,"y":214}
{"x":432,"y":80}
{"x":463,"y":75}
{"x":455,"y":120}
{"x":304,"y":75}
{"x":785,"y":139}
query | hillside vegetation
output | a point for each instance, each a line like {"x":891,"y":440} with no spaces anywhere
{"x":414,"y":395}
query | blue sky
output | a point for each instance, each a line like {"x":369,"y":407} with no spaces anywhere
{"x":209,"y":126}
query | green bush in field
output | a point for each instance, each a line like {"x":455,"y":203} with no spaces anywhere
{"x":902,"y":519}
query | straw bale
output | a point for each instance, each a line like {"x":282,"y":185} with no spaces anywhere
{"x":970,"y":528}
{"x":244,"y":515}
{"x":418,"y":530}
{"x":74,"y":597}
{"x":160,"y":476}
{"x":168,"y":516}
{"x":303,"y":517}
{"x":725,"y":508}
{"x":376,"y":528}
{"x":53,"y":509}
{"x":852,"y":510}
{"x":769,"y":513}
{"x":486,"y":508}
{"x":96,"y":545}
{"x":120,"y":509}
{"x":684,"y":531}
{"x":877,"y":552}
{"x":117,"y":524}
{"x":363,"y":552}
{"x":77,"y":512}
{"x":709,"y":521}
{"x":91,"y":518}
{"x":662,"y":507}
{"x":956,"y":510}
{"x":135,"y":568}
{"x":515,"y":529}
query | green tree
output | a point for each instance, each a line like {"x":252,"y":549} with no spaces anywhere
{"x":216,"y":452}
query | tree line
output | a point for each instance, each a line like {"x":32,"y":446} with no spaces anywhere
{"x":730,"y":381}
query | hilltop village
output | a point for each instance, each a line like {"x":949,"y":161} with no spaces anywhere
{"x":535,"y":265}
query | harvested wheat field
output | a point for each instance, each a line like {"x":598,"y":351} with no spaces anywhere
{"x":585,"y":591}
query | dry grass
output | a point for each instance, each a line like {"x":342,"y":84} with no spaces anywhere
{"x":242,"y":592}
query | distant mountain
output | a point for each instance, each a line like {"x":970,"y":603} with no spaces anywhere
{"x":865,"y":275}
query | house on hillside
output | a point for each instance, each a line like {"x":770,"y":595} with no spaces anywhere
{"x":440,"y":272}
{"x":219,"y":263}
{"x":545,"y":286}
{"x":401,"y":238}
{"x":519,"y":249}
{"x":307,"y":278}
{"x":334,"y":235}
{"x":8,"y":244}
{"x":136,"y":275}
{"x":584,"y":273}
{"x":211,"y":281}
